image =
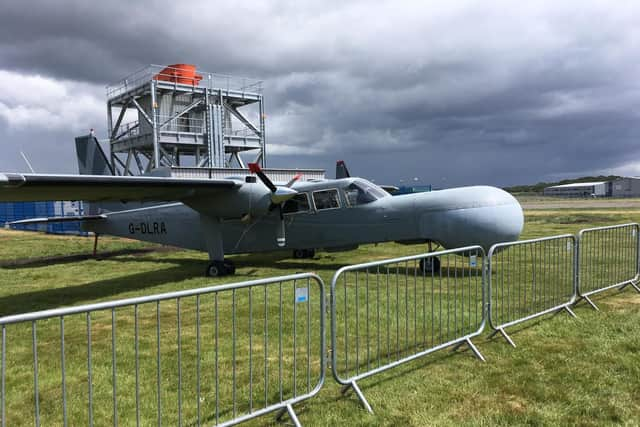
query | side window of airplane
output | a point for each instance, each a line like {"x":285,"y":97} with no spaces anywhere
{"x":299,"y":203}
{"x":359,"y":195}
{"x":326,"y":199}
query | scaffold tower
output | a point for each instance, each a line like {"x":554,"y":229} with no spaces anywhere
{"x":177,"y":117}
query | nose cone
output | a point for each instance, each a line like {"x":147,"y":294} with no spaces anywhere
{"x":282,"y":194}
{"x":465,"y":216}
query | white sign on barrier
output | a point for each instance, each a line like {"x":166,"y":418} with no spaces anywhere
{"x":302,"y":295}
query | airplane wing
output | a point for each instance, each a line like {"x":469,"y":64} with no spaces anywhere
{"x":16,"y":187}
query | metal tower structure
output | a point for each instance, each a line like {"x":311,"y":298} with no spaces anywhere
{"x":179,"y":118}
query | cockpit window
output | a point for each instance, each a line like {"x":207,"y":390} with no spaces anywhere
{"x":361,"y":192}
{"x":299,"y":203}
{"x":326,"y":199}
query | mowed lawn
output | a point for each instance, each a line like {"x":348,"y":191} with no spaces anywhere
{"x":565,"y":371}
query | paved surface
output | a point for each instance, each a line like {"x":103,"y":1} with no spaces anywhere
{"x":539,"y":203}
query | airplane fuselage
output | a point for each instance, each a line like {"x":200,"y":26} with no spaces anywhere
{"x":457,"y":217}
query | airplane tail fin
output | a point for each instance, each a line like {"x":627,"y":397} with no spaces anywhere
{"x":93,"y":161}
{"x":341,"y":170}
{"x":91,"y":158}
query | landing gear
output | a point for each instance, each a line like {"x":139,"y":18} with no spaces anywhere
{"x":229,"y":266}
{"x":430,"y":265}
{"x":304,"y":253}
{"x":220,"y":268}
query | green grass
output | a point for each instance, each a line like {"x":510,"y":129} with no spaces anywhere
{"x":565,"y":371}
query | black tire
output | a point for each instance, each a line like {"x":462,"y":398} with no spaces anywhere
{"x":299,"y":253}
{"x":216,"y":269}
{"x":430,"y":265}
{"x":310,"y":253}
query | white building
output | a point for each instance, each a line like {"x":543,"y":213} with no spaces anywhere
{"x":579,"y":189}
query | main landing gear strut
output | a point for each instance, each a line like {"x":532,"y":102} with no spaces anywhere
{"x":218,"y":265}
{"x":221,"y":268}
{"x":430,"y":265}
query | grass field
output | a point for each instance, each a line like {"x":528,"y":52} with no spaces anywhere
{"x":565,"y":371}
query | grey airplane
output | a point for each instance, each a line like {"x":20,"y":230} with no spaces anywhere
{"x":247,"y":214}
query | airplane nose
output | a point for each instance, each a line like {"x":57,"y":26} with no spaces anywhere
{"x":500,"y":220}
{"x":479,"y":215}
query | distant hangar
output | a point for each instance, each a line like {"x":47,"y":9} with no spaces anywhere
{"x":579,"y":189}
{"x":628,"y":186}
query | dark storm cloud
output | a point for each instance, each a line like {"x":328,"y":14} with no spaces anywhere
{"x":453,"y":94}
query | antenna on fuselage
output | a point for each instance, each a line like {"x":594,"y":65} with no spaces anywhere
{"x":27,"y":162}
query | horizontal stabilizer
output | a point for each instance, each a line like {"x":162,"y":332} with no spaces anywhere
{"x":95,"y":188}
{"x":45,"y":220}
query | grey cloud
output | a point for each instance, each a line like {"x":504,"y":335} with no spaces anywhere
{"x":460,"y":93}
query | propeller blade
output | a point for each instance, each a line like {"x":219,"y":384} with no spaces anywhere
{"x":281,"y":239}
{"x":255,"y":168}
{"x":279,"y":195}
{"x":293,"y":180}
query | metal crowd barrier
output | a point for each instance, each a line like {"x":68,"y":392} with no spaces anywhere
{"x":217,"y":355}
{"x":608,"y":258}
{"x":530,"y":278}
{"x":390,"y":312}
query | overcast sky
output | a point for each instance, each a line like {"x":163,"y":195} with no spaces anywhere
{"x":453,"y":94}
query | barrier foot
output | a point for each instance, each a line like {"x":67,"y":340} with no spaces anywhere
{"x":571,"y":311}
{"x":289,"y":410}
{"x":356,"y":389}
{"x":293,"y":416}
{"x":635,"y":286}
{"x":505,"y":336}
{"x":591,"y":303}
{"x":475,"y":350}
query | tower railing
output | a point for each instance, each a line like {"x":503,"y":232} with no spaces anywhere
{"x":172,"y":75}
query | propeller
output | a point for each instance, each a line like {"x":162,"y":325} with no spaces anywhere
{"x":279,"y":195}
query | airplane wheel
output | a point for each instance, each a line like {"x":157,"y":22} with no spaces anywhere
{"x":304,"y":253}
{"x":430,"y":265}
{"x":229,"y":266}
{"x":216,"y":269}
{"x":299,"y":253}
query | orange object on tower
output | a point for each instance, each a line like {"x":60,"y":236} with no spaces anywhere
{"x":179,"y":73}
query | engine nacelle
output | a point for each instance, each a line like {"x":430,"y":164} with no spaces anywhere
{"x":252,"y":199}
